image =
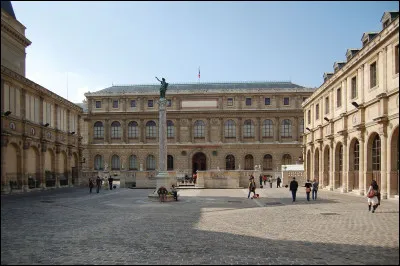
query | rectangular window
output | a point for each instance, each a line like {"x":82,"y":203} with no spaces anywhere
{"x":133,"y":103}
{"x":150,"y":103}
{"x":309,"y":117}
{"x":327,"y":105}
{"x":98,"y":104}
{"x":372,"y":75}
{"x":317,"y":112}
{"x":354,"y":87}
{"x":339,"y":97}
{"x":230,"y":102}
{"x":248,"y":101}
{"x":267,"y":101}
{"x":286,"y":101}
{"x":115,"y":104}
{"x":169,"y":103}
{"x":396,"y":59}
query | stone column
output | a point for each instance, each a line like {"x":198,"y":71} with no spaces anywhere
{"x":178,"y":130}
{"x":142,"y":128}
{"x":258,"y":129}
{"x":345,"y":187}
{"x":208,"y":131}
{"x":124,"y":129}
{"x":320,"y":162}
{"x":361,"y":172}
{"x":276,"y":135}
{"x":162,"y":175}
{"x":331,"y":166}
{"x":5,"y":185}
{"x":239,"y":130}
{"x":42,"y":164}
{"x":383,"y":184}
{"x":221,"y":132}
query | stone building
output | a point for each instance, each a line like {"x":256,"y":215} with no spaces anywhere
{"x":40,"y":132}
{"x":210,"y":126}
{"x":352,"y":119}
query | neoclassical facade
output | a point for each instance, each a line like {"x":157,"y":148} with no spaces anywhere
{"x":352,"y":119}
{"x":40,"y":132}
{"x":229,"y":126}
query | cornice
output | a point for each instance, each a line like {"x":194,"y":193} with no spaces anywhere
{"x":13,"y":75}
{"x":7,"y":28}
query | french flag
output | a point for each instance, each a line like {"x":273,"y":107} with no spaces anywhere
{"x":199,"y":72}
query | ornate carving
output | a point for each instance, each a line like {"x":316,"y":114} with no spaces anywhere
{"x":215,"y":122}
{"x":12,"y":125}
{"x":32,"y":131}
{"x":184,"y":122}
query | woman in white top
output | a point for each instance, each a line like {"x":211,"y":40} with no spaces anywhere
{"x":373,"y":197}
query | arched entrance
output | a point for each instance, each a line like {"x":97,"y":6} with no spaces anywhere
{"x":354,"y":164}
{"x":338,"y":182}
{"x":32,"y":167}
{"x":199,"y":162}
{"x":326,"y":166}
{"x":74,"y":168}
{"x":394,"y":163}
{"x":49,"y":168}
{"x":316,"y":164}
{"x":374,"y":160}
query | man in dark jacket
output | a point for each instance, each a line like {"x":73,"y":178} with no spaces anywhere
{"x":293,"y":187}
{"x":110,"y":182}
{"x":98,"y":184}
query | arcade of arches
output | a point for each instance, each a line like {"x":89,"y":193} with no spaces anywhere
{"x":352,"y":167}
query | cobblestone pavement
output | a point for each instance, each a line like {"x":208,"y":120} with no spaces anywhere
{"x":216,"y":226}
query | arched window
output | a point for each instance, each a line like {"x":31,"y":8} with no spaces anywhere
{"x":286,"y":159}
{"x":356,"y":156}
{"x":150,"y":163}
{"x":248,"y":162}
{"x":115,"y":163}
{"x":286,"y":131}
{"x":230,"y":129}
{"x":170,"y":129}
{"x":133,"y":130}
{"x":376,"y":154}
{"x":170,"y":162}
{"x":133,"y":162}
{"x":115,"y":130}
{"x":98,"y":130}
{"x":199,"y":129}
{"x":151,"y":130}
{"x":98,"y":162}
{"x":301,"y":125}
{"x":267,"y":162}
{"x":248,"y":129}
{"x":267,"y":129}
{"x":230,"y":162}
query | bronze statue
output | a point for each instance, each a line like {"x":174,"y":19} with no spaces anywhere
{"x":163,"y":87}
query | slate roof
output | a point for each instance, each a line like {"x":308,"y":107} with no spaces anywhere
{"x":7,"y":6}
{"x":192,"y":87}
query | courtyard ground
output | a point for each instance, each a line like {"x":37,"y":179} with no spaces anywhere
{"x":207,"y":226}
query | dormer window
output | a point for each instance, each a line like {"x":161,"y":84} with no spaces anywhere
{"x":367,"y":37}
{"x":388,"y":17}
{"x":351,"y":53}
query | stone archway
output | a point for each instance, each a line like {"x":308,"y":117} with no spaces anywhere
{"x":49,"y":168}
{"x":338,"y":178}
{"x":32,"y":172}
{"x":63,"y":171}
{"x":74,"y":168}
{"x":316,"y":165}
{"x":326,"y":166}
{"x":374,"y":160}
{"x":394,"y":163}
{"x":199,"y":162}
{"x":354,"y":164}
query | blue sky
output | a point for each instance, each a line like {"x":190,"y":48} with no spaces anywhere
{"x":103,"y":43}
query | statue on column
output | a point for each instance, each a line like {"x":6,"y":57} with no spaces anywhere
{"x":163,"y":88}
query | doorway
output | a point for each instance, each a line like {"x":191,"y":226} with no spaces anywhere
{"x":199,"y":162}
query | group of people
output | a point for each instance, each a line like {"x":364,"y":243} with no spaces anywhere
{"x":163,"y":192}
{"x":99,"y":183}
{"x":310,"y":188}
{"x":262,"y":178}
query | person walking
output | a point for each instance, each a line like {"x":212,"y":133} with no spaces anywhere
{"x":174,"y":192}
{"x":308,"y":186}
{"x":270,"y":181}
{"x":91,"y":185}
{"x":261,"y":180}
{"x":265,"y":180}
{"x":278,"y":182}
{"x":110,"y":182}
{"x":372,"y":195}
{"x":252,"y":187}
{"x":98,"y":184}
{"x":315,"y":189}
{"x":293,"y":187}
